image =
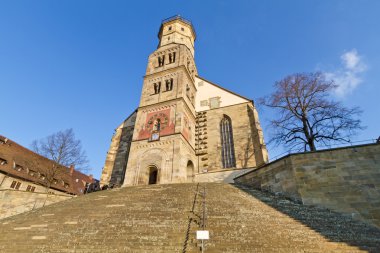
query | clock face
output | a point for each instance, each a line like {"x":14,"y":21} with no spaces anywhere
{"x":155,"y":137}
{"x":158,"y":118}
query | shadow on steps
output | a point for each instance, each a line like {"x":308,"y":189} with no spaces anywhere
{"x":334,"y":226}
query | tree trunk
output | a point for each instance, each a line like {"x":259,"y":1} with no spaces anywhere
{"x":311,"y":144}
{"x":309,"y":137}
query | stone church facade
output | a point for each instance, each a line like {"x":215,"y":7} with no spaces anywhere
{"x":185,"y":128}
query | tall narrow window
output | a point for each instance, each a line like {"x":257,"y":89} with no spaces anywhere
{"x":157,"y":87}
{"x":226,"y":136}
{"x":161,"y":61}
{"x":13,"y":185}
{"x":169,"y":84}
{"x":171,"y":57}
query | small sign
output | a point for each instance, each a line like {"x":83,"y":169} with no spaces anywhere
{"x":202,"y":235}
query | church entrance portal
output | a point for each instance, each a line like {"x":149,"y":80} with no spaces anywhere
{"x":153,"y":175}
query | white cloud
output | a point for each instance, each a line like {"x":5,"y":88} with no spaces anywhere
{"x":347,"y":78}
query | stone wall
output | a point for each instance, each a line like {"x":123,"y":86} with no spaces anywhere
{"x":7,"y":180}
{"x":15,"y":201}
{"x":346,"y":180}
{"x":249,"y":146}
{"x":221,"y":176}
{"x":118,"y":153}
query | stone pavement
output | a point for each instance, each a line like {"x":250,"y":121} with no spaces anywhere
{"x":164,"y":218}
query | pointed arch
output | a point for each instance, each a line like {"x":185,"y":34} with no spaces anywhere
{"x":227,"y":141}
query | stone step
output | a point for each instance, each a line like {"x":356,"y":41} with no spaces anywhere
{"x":156,"y":219}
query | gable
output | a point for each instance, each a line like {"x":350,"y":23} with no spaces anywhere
{"x":210,"y":95}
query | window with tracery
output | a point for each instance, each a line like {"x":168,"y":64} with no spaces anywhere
{"x":227,"y":140}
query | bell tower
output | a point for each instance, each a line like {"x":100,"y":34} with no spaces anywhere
{"x":177,"y":30}
{"x":163,"y":142}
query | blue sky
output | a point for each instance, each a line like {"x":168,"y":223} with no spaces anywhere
{"x":79,"y":64}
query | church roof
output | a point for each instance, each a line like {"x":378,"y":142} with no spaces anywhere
{"x":227,"y":90}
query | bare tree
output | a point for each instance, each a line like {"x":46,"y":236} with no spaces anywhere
{"x":50,"y":173}
{"x":307,"y":115}
{"x":63,"y":149}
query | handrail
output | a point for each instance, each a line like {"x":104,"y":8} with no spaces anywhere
{"x":203,"y":217}
{"x":176,"y":17}
{"x":195,"y":198}
{"x":204,"y":208}
{"x":187,"y":236}
{"x":203,"y":214}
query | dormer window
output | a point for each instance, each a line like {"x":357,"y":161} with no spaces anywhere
{"x":3,"y":161}
{"x":18,"y":167}
{"x":161,"y":61}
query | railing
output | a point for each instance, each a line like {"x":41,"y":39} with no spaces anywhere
{"x":190,"y":220}
{"x":203,"y":215}
{"x":181,"y":18}
{"x":200,"y":219}
{"x":332,"y":146}
{"x":176,"y":17}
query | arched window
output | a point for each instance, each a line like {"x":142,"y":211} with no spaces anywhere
{"x":226,"y":136}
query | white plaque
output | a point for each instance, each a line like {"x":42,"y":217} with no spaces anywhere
{"x":202,"y":235}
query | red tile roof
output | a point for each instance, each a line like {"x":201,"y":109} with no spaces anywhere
{"x":18,"y":161}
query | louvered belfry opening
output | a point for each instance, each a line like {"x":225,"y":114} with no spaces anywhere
{"x":227,"y":140}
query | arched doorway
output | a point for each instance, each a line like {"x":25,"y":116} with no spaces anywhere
{"x":153,"y":175}
{"x":190,"y":171}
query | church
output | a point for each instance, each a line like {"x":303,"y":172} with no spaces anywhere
{"x":186,"y":128}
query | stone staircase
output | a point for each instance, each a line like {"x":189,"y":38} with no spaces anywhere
{"x":164,"y":218}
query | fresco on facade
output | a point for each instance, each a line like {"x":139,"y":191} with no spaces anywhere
{"x":157,"y":122}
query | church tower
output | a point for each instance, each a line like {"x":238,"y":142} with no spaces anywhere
{"x":186,"y":128}
{"x":163,"y":144}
